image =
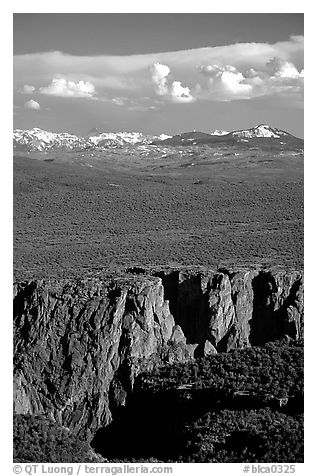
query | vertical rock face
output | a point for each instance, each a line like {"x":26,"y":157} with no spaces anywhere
{"x":278,"y":306}
{"x":236,"y":309}
{"x":73,"y":340}
{"x":79,"y":345}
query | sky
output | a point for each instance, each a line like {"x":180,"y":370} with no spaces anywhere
{"x":158,"y":72}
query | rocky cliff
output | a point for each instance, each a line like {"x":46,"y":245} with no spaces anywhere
{"x":78,"y":345}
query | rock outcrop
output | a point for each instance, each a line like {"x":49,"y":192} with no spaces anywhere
{"x":80,"y":344}
{"x":235,"y":309}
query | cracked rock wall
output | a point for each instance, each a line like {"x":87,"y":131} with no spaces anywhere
{"x":78,"y":345}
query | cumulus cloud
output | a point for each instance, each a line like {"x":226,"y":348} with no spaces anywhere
{"x":66,"y":88}
{"x":280,"y":68}
{"x":227,"y":83}
{"x":44,"y":65}
{"x":221,"y":73}
{"x":180,"y":93}
{"x":159,"y":74}
{"x":32,"y":105}
{"x":27,"y":89}
{"x":164,"y":86}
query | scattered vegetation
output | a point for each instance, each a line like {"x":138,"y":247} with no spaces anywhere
{"x":245,"y":436}
{"x":165,"y":420}
{"x":36,"y":438}
{"x":246,"y":405}
{"x":68,"y":219}
{"x":275,"y":368}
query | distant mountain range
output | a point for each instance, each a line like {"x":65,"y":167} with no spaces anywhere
{"x":39,"y":140}
{"x":262,"y":136}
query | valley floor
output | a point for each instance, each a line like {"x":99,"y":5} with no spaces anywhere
{"x":74,"y":215}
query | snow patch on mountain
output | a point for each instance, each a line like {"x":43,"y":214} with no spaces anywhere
{"x":162,"y":137}
{"x":263,"y":130}
{"x":39,"y":140}
{"x":119,"y":138}
{"x":219,"y":132}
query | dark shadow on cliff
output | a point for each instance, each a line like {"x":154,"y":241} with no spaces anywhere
{"x":188,"y":304}
{"x":146,"y":427}
{"x":267,"y":323}
{"x":22,"y":322}
{"x":154,"y":424}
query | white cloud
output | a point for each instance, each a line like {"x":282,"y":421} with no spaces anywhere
{"x":32,"y":105}
{"x":222,"y":73}
{"x":282,"y":69}
{"x":98,"y":68}
{"x":180,"y":93}
{"x":227,"y":83}
{"x":27,"y":89}
{"x":159,"y":74}
{"x":164,"y":86}
{"x":66,"y":88}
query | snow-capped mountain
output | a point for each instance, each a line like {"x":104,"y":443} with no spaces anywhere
{"x":263,"y":130}
{"x":118,"y":138}
{"x":39,"y":140}
{"x":261,"y":136}
{"x":219,"y":132}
